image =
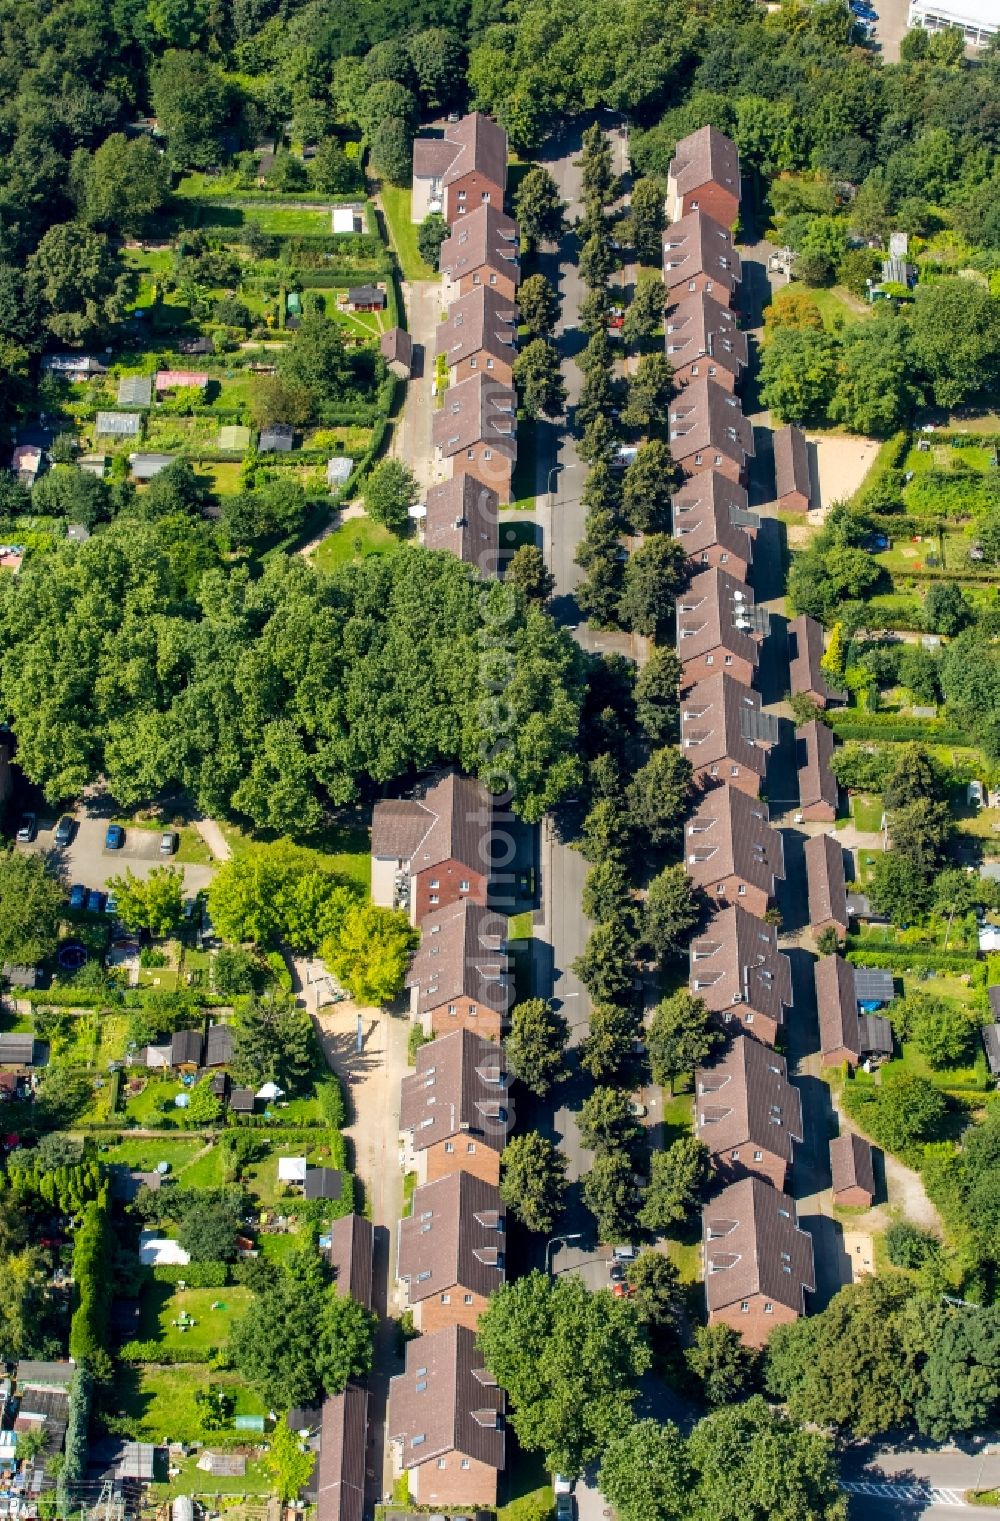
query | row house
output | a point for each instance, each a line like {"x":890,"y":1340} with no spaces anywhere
{"x":826,"y":883}
{"x":719,"y":628}
{"x":708,"y":431}
{"x":461,"y":517}
{"x":845,"y":1034}
{"x":791,"y":469}
{"x":805,"y":656}
{"x":459,"y":978}
{"x":758,"y":1262}
{"x":725,"y":733}
{"x":482,"y":250}
{"x":818,"y":792}
{"x":731,"y":852}
{"x":343,"y":1431}
{"x":462,"y":170}
{"x":699,"y":255}
{"x":710,"y":517}
{"x":430,"y":852}
{"x":445,"y":1421}
{"x":475,"y":432}
{"x":451,"y":1251}
{"x":704,"y":175}
{"x":747,"y":1113}
{"x":479,"y":336}
{"x":704,"y":340}
{"x":453,"y":1111}
{"x":740,"y":975}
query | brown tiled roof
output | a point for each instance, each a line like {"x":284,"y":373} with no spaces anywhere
{"x":352,"y":1249}
{"x":745,"y":1097}
{"x":462,"y":954}
{"x":697,"y":244}
{"x":185,"y":1047}
{"x":710,"y":509}
{"x":730,"y":833}
{"x":343,"y":1440}
{"x":736,"y":959}
{"x":716,"y":611}
{"x":482,"y":322}
{"x":814,"y":752}
{"x":826,"y":880}
{"x":453,"y":822}
{"x":446,"y":1402}
{"x":396,"y":345}
{"x":462,"y":518}
{"x":460,"y":1085}
{"x":791,"y":461}
{"x":851,"y":1163}
{"x":706,"y":156}
{"x":837,"y":1006}
{"x":706,"y":417}
{"x":453,"y":1239}
{"x":484,"y":239}
{"x":805,"y":651}
{"x":700,"y":327}
{"x":722,"y":720}
{"x":432,"y":157}
{"x":753,"y":1245}
{"x":481,"y":149}
{"x":476,"y":411}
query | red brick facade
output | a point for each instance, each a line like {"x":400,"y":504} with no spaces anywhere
{"x":453,"y":1307}
{"x":454,"y":1480}
{"x":440,"y":886}
{"x":461,"y":1154}
{"x":710,"y":664}
{"x":756,"y":1322}
{"x":467,"y":193}
{"x":464,"y":1013}
{"x":734,"y":775}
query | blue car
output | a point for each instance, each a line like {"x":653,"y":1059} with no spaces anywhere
{"x":77,"y":896}
{"x":111,"y":904}
{"x":114,"y":839}
{"x":95,"y":901}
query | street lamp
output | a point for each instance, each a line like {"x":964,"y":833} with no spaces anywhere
{"x":556,"y":469}
{"x":558,"y":1241}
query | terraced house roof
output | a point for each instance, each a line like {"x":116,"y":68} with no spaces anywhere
{"x":745,"y":1097}
{"x":462,"y":954}
{"x":710,"y":509}
{"x":722,"y":719}
{"x":446,"y":1401}
{"x":460,"y":1085}
{"x":730,"y":835}
{"x":696,"y":245}
{"x":753,"y":1245}
{"x":736,"y":959}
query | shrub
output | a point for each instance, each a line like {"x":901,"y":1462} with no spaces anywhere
{"x":75,"y":1445}
{"x":908,"y":1246}
{"x":92,"y":1286}
{"x":197,"y":1275}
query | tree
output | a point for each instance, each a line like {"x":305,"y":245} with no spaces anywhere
{"x":658,"y":1294}
{"x":943,"y":1033}
{"x":678,"y":1178}
{"x":657,"y":796}
{"x":190,"y":101}
{"x":279,"y":892}
{"x":331,"y":172}
{"x":647,"y":212}
{"x":123,"y":184}
{"x":957,"y":1348}
{"x":946,"y":610}
{"x":389,"y":492}
{"x":539,"y":208}
{"x":209,"y":1226}
{"x":316,"y":360}
{"x":288,"y":1461}
{"x":203,"y":1106}
{"x":611,"y":1194}
{"x":606,"y":1122}
{"x":527,"y":571}
{"x":273,"y":1042}
{"x":679,"y":1037}
{"x":609,"y":1043}
{"x":657,"y":694}
{"x":792,"y":307}
{"x":536,"y":1335}
{"x":430,"y":235}
{"x":653,"y":576}
{"x":533,"y":1180}
{"x":596,"y":262}
{"x":370,"y":952}
{"x":535,"y":1044}
{"x":438,"y":58}
{"x":598,"y":171}
{"x":31,"y":901}
{"x":874,"y":392}
{"x":798,"y":374}
{"x":903,"y":1111}
{"x":644,"y":1474}
{"x":898,"y":888}
{"x":956,"y":339}
{"x":300,"y":1339}
{"x":920,"y":831}
{"x":649,"y":392}
{"x":539,"y":306}
{"x":670,"y":912}
{"x":539,"y":379}
{"x":606,"y":966}
{"x":644,"y":319}
{"x":721,"y":1363}
{"x":80,"y":282}
{"x":154,"y":903}
{"x":753,"y":1464}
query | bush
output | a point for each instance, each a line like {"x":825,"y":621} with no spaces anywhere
{"x":197,"y":1275}
{"x":156,"y":1352}
{"x":92,"y":1286}
{"x":908,"y":1246}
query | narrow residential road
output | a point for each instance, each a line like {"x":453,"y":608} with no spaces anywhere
{"x":411,"y":439}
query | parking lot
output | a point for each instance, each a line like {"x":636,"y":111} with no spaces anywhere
{"x":87,"y":860}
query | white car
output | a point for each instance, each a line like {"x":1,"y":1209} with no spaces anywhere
{"x":561,"y":1485}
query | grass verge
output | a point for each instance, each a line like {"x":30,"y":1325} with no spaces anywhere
{"x":403,"y":233}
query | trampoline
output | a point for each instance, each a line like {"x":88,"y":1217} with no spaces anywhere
{"x":72,"y":956}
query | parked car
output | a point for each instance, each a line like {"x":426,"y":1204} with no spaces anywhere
{"x":95,"y":901}
{"x":565,"y":1509}
{"x":27,"y":829}
{"x":77,"y":896}
{"x":561,"y":1485}
{"x":64,"y":830}
{"x":626,"y":1253}
{"x":637,"y":1109}
{"x":169,"y":841}
{"x":617,"y":1273}
{"x":114,"y":837}
{"x":111,"y":904}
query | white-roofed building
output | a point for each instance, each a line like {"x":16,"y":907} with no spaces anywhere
{"x":979,"y":19}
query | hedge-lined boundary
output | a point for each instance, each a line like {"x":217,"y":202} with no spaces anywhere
{"x":902,"y":957}
{"x":849,"y":723}
{"x":155,"y":1352}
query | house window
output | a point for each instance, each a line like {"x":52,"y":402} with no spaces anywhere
{"x":712,"y":370}
{"x":748,"y":1019}
{"x":473,"y":364}
{"x":487,"y":454}
{"x":721,"y":890}
{"x":419,"y":1439}
{"x":446,"y":1299}
{"x":489,"y":364}
{"x":461,"y":195}
{"x":697,"y":459}
{"x":728,"y":660}
{"x":723,"y":559}
{"x":691,"y":285}
{"x":758,"y":1156}
{"x":745,"y":1307}
{"x":718,"y":459}
{"x":734,"y":771}
{"x":466,"y":1463}
{"x":473,"y":1009}
{"x":493,"y":279}
{"x":464,"y":885}
{"x":477,"y":280}
{"x":468,"y":1298}
{"x":453,"y":1008}
{"x":734,"y":1156}
{"x":713,"y":770}
{"x":709,"y":659}
{"x":695,"y":205}
{"x":449,"y":1146}
{"x":442,"y":1462}
{"x":470,"y":453}
{"x":769,"y":1309}
{"x":694,"y":369}
{"x":433,"y":898}
{"x":434,"y":882}
{"x":741,"y":890}
{"x":470,"y":1148}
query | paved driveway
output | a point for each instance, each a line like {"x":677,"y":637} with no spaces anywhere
{"x":88,"y":860}
{"x":411,"y":440}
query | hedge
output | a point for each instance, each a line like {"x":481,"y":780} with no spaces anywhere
{"x":197,"y":1275}
{"x":849,"y":723}
{"x":156,"y":1352}
{"x":887,"y":464}
{"x":92,"y":1283}
{"x":73,"y":998}
{"x":75,"y":1443}
{"x":900,"y":958}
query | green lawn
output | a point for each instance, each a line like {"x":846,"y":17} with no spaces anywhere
{"x":686,"y":1258}
{"x":867,"y":813}
{"x":222,"y":479}
{"x":519,"y":926}
{"x":192,"y":1480}
{"x":161,"y":1402}
{"x":280,"y":221}
{"x":163,"y":1306}
{"x":192,"y":1163}
{"x":522,"y":489}
{"x":403,"y":233}
{"x":351,"y":543}
{"x":837,"y":305}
